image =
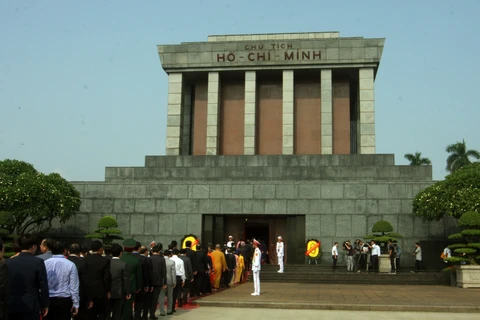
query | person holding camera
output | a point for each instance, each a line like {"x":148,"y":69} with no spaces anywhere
{"x":349,"y":248}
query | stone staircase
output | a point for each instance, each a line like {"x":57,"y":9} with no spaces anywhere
{"x":324,"y":274}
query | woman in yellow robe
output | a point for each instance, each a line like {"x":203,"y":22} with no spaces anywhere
{"x":219,"y":266}
{"x":240,"y":268}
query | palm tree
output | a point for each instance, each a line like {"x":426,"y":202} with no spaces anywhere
{"x":459,"y":156}
{"x":417,"y":160}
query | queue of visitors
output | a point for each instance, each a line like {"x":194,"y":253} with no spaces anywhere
{"x":127,"y":281}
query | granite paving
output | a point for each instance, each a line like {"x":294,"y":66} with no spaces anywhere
{"x":348,"y":297}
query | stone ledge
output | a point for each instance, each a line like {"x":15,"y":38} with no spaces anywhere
{"x":271,"y":160}
{"x":356,"y":307}
{"x":243,"y":173}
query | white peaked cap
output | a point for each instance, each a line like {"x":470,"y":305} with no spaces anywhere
{"x":280,"y":237}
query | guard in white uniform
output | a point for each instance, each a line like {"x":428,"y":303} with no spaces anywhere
{"x":280,"y":253}
{"x":230,"y":244}
{"x":256,"y":266}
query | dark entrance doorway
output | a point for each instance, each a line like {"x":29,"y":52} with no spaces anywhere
{"x":266,"y":228}
{"x":259,"y":231}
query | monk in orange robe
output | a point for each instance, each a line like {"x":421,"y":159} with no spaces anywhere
{"x":219,"y":265}
{"x":240,"y":268}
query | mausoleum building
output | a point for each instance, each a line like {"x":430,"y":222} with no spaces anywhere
{"x":267,"y":135}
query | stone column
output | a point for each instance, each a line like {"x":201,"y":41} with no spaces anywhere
{"x":326,"y":110}
{"x":366,"y":135}
{"x":212,"y":112}
{"x":174,"y":116}
{"x":288,"y":111}
{"x":250,"y":109}
{"x":186,"y":133}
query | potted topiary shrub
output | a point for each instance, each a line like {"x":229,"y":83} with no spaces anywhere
{"x":382,"y":232}
{"x":467,"y":251}
{"x":107,"y":231}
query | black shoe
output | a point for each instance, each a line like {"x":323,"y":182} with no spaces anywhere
{"x":153,"y":318}
{"x":169,"y":313}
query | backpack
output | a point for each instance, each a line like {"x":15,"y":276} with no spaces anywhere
{"x":443,"y":256}
{"x":394,"y":251}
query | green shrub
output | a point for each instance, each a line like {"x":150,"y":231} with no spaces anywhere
{"x":469,"y":249}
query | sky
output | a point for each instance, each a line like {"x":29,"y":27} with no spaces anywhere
{"x":82,"y":88}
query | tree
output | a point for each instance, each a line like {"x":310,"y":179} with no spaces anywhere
{"x":107,"y":231}
{"x":30,"y":201}
{"x":417,"y":160}
{"x":382,"y":232}
{"x":470,"y":247}
{"x":457,"y":194}
{"x":460,"y":156}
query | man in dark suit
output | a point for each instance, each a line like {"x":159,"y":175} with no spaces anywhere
{"x":120,"y":283}
{"x":3,"y":285}
{"x":85,"y":301}
{"x":142,"y":297}
{"x":159,"y":278}
{"x":135,"y":269}
{"x":193,"y":260}
{"x":99,"y":280}
{"x":183,"y":294}
{"x":231,"y":265}
{"x":28,"y":283}
{"x":202,"y":268}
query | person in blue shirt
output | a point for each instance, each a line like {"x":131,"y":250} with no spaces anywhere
{"x":63,"y":284}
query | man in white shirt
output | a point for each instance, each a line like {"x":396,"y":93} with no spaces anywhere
{"x":447,"y":253}
{"x":335,"y":255}
{"x":280,"y":253}
{"x":256,"y":267}
{"x":375,"y":255}
{"x":63,"y":284}
{"x":180,"y":275}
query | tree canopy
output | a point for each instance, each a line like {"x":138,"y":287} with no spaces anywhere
{"x":417,"y":160}
{"x":457,"y":194}
{"x":459,"y":156}
{"x":30,"y":200}
{"x":107,"y":231}
{"x":382,"y":232}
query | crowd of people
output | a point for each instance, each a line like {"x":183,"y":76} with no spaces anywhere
{"x":127,"y":281}
{"x":363,"y":256}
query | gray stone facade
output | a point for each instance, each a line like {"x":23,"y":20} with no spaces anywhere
{"x":341,"y":196}
{"x":269,"y":51}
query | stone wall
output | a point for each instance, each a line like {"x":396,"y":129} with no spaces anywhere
{"x":337,"y":208}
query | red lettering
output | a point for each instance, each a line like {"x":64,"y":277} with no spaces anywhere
{"x":289,"y":46}
{"x":305,"y":55}
{"x":288,"y":55}
{"x":251,"y":56}
{"x":317,"y":54}
{"x":221,"y":57}
{"x":260,"y":56}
